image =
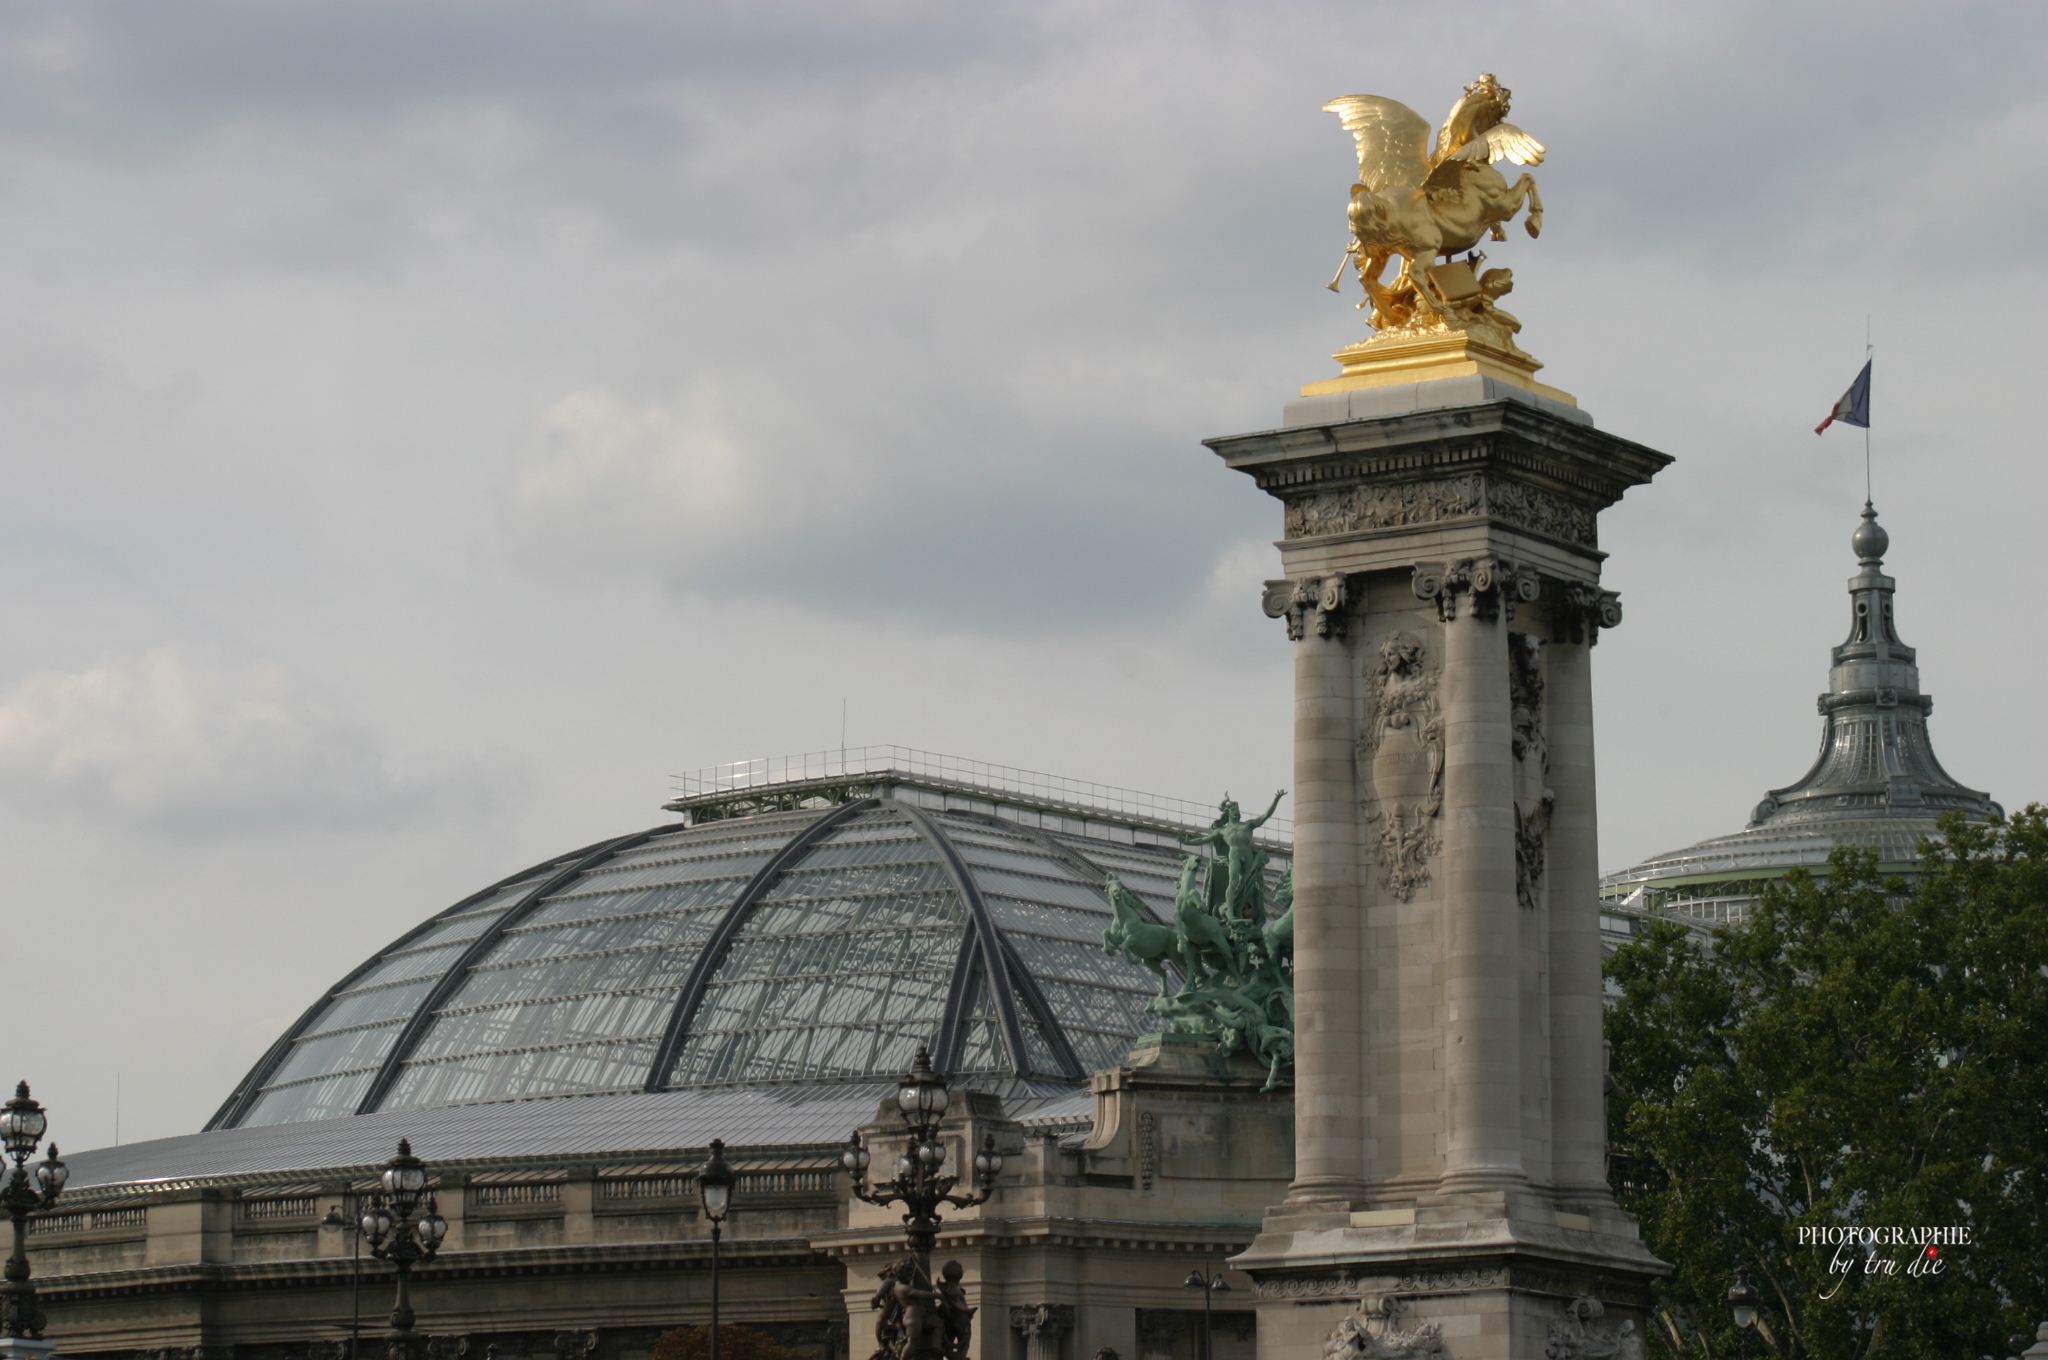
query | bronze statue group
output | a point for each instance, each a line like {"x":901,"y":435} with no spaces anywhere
{"x":1226,"y":964}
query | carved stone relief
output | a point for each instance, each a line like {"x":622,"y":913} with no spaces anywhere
{"x":1355,"y":508}
{"x":1492,"y":587}
{"x":1578,"y":611}
{"x":1401,"y":762}
{"x":1582,"y":1333}
{"x":1371,"y":1332}
{"x":1043,"y":1325}
{"x":1322,"y":598}
{"x":1533,"y":797}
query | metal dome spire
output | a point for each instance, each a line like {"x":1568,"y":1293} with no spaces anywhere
{"x":1875,"y":757}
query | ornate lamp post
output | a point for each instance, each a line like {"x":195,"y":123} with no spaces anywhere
{"x":399,"y":1237}
{"x":919,"y":1186}
{"x":1209,"y":1285}
{"x":1743,"y":1302}
{"x":21,"y":1127}
{"x":715,"y":1180}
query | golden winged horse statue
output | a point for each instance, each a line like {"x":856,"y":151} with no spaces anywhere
{"x":1421,"y":203}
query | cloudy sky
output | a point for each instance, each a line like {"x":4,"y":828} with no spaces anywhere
{"x":427,"y":427}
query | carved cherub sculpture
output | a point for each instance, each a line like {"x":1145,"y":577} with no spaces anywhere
{"x":954,"y":1312}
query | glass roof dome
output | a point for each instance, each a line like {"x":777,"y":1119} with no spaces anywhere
{"x":812,"y":921}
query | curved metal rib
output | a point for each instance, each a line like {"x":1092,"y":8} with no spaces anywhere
{"x":953,"y":1023}
{"x":1041,"y":1011}
{"x":714,"y":950}
{"x":989,"y":940}
{"x":244,"y":1095}
{"x":415,"y":1028}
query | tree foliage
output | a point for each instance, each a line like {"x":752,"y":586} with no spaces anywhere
{"x":734,"y":1343}
{"x":1857,"y":1053}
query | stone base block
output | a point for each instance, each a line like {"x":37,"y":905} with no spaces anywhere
{"x":25,"y":1348}
{"x":1336,"y":1285}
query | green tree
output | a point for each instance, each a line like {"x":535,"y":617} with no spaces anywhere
{"x":1859,"y":1053}
{"x":734,"y":1343}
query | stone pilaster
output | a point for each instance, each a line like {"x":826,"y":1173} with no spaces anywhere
{"x":1441,"y":584}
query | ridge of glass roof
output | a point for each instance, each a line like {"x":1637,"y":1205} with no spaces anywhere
{"x":827,"y":778}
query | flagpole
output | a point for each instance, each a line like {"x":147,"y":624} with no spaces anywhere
{"x":1868,"y":355}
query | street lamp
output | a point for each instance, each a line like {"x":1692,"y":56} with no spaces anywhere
{"x":1743,"y":1302}
{"x":1210,"y":1285}
{"x":918,"y":1184}
{"x":398,"y":1236}
{"x":715,"y":1180}
{"x":347,"y":1216}
{"x":21,"y":1127}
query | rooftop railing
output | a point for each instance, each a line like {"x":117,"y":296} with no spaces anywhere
{"x":931,"y":769}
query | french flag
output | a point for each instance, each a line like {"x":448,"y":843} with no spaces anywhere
{"x":1854,"y":407}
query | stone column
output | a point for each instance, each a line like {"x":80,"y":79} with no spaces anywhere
{"x":1482,"y":932}
{"x":1043,"y":1325}
{"x":1577,"y":1080}
{"x":1451,"y":512}
{"x":1329,"y":1033}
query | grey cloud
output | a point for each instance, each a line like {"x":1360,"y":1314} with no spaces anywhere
{"x":158,"y":741}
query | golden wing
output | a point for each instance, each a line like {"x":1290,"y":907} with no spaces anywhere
{"x":1393,"y":140}
{"x":1479,"y":108}
{"x":1506,"y":142}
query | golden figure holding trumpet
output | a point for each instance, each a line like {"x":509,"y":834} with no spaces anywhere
{"x":1427,"y":205}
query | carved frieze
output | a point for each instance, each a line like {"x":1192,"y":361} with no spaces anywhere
{"x":1533,"y":797}
{"x":1582,"y":1332}
{"x":1579,"y":611}
{"x":1491,"y":586}
{"x":1401,"y":762}
{"x":1372,"y":1332}
{"x":1322,"y":600}
{"x":1353,"y":509}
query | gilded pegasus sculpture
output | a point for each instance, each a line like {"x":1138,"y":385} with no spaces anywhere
{"x":1425,"y":204}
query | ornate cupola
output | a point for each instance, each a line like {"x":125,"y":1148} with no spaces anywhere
{"x":1876,"y":783}
{"x":1875,"y":754}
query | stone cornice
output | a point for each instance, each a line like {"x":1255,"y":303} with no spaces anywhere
{"x":593,"y":1258}
{"x":1051,"y":1231}
{"x":1498,"y":437}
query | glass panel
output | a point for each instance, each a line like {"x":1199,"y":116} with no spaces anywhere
{"x":982,"y":1046}
{"x":863,"y":879}
{"x":343,"y":1052}
{"x":589,"y":937}
{"x":1081,"y":1008}
{"x":573,"y":976}
{"x":1097,"y":1051}
{"x":523,"y":1074}
{"x":1065,"y":892}
{"x":1037,"y":919}
{"x":1019,"y":860}
{"x":1077,"y":962}
{"x":576,"y":1019}
{"x":870,"y":852}
{"x":383,"y":1003}
{"x":705,"y":895}
{"x":328,"y":1099}
{"x":674,"y":871}
{"x":467,"y":926}
{"x":759,"y":835}
{"x":1036,"y":1047}
{"x":412,"y":965}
